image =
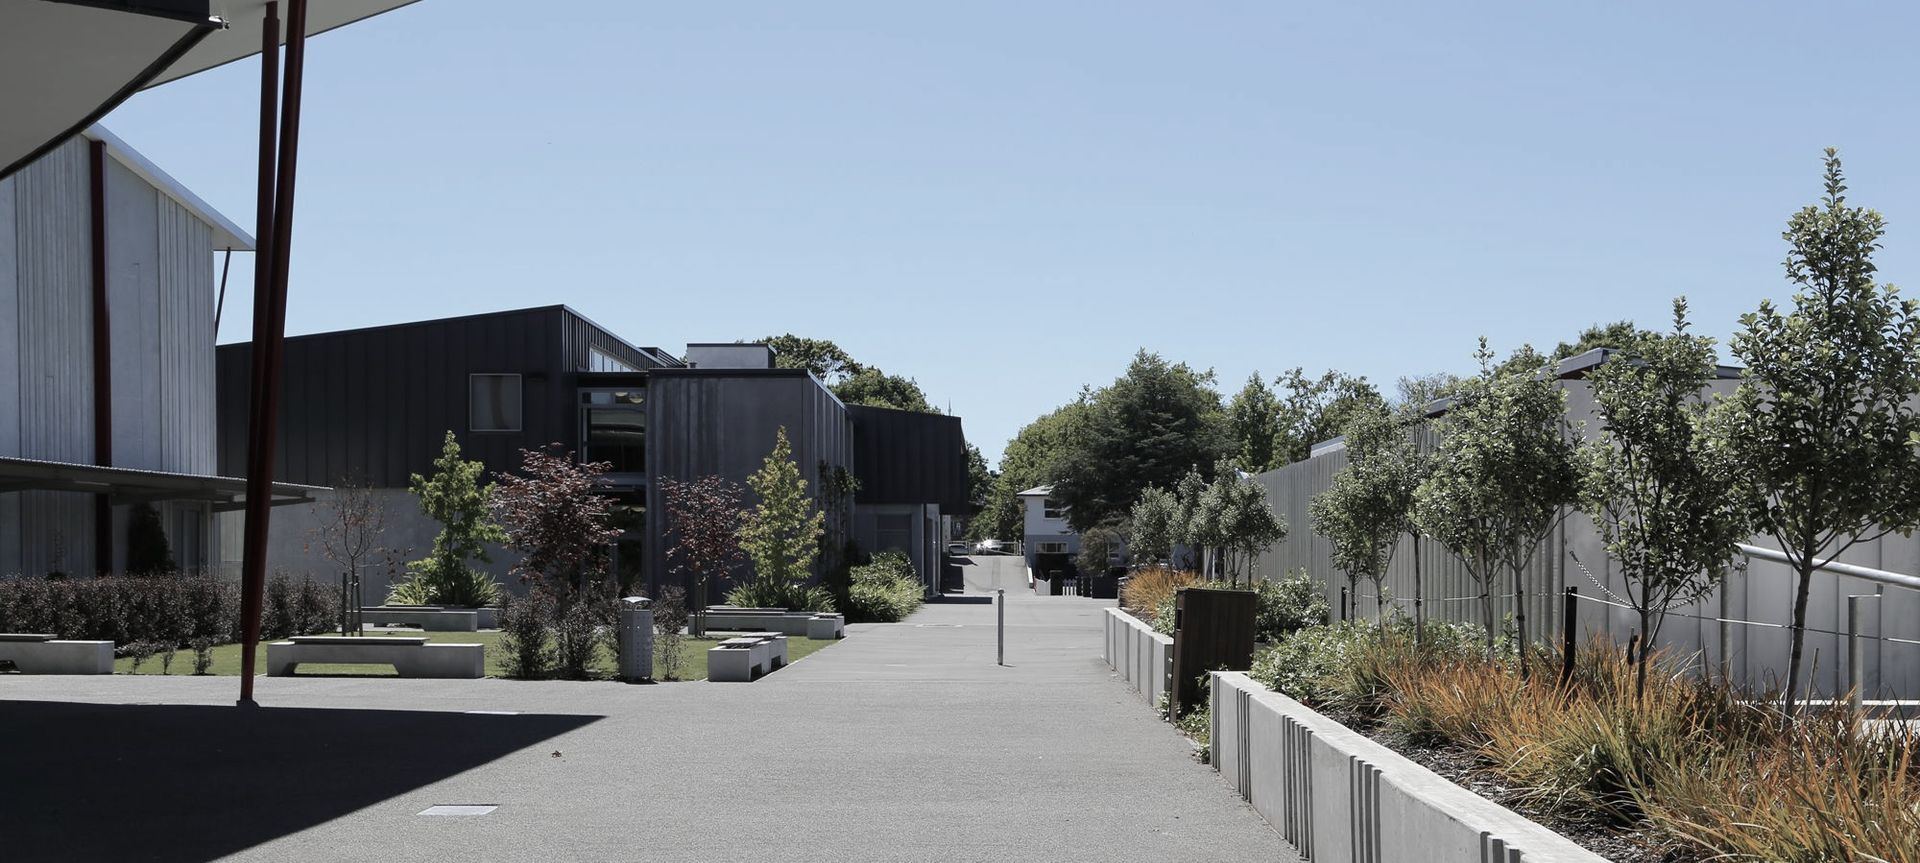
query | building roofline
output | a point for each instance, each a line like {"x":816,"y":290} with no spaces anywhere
{"x":226,"y":234}
{"x":564,"y":309}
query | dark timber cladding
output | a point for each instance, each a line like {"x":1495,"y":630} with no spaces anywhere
{"x":909,"y":457}
{"x":703,"y":422}
{"x":372,"y":404}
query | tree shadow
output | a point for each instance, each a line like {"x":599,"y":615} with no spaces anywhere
{"x":193,"y":783}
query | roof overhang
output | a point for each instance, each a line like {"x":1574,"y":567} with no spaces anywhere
{"x":65,"y":63}
{"x":130,"y":485}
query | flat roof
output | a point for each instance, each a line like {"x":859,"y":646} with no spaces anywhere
{"x":133,"y":485}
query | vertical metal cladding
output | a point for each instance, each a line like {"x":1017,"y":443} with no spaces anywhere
{"x":53,"y":278}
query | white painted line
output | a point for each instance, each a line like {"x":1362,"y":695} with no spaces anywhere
{"x":493,"y":712}
{"x":460,"y":809}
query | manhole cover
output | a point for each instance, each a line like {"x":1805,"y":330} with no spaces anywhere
{"x":460,"y":809}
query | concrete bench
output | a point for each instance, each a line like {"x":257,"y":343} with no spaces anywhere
{"x":40,"y":653}
{"x":810,"y":624}
{"x":411,"y":657}
{"x":741,"y":660}
{"x":428,"y":618}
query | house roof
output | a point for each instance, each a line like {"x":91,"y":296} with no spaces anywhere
{"x":1037,"y":491}
{"x":226,"y":234}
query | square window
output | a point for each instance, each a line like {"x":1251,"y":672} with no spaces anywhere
{"x":493,"y":403}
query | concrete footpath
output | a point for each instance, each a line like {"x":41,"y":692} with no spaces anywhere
{"x":904,"y":742}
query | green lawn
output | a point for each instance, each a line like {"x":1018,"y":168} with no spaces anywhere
{"x":226,"y":657}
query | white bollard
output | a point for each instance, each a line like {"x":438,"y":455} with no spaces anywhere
{"x":1001,"y":601}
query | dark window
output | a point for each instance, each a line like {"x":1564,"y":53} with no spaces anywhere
{"x":617,"y":436}
{"x":893,"y":533}
{"x":1050,"y":509}
{"x":493,"y":402}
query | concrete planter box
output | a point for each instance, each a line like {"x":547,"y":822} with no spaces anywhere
{"x":1337,"y":795}
{"x":38,"y":653}
{"x":410,"y":657}
{"x":1143,"y":658}
{"x":428,"y":618}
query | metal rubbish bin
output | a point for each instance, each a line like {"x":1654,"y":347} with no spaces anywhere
{"x":636,"y":638}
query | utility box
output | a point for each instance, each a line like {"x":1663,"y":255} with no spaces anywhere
{"x":636,"y":638}
{"x":1212,"y":631}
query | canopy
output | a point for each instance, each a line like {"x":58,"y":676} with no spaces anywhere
{"x":66,"y":63}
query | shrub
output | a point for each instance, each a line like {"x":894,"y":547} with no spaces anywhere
{"x":432,"y":583}
{"x":790,"y":595}
{"x":164,"y":609}
{"x":1348,"y":667}
{"x":584,"y":621}
{"x":1287,"y":605}
{"x":669,"y":625}
{"x":299,"y":606}
{"x":884,"y":591}
{"x":1149,"y":586}
{"x":525,"y":627}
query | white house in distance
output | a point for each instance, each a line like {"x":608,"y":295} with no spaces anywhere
{"x":1050,"y":542}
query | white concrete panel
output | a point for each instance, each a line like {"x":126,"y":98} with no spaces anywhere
{"x":9,"y":331}
{"x":54,"y":243}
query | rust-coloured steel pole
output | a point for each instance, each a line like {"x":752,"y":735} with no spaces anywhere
{"x":275,"y":229}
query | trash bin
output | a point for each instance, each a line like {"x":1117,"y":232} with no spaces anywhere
{"x":636,"y":638}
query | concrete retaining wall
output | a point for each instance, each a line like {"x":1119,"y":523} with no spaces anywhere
{"x":1338,"y":796}
{"x":1143,"y":658}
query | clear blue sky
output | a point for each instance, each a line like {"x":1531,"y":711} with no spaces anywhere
{"x":1006,"y":200}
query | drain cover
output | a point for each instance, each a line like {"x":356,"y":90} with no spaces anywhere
{"x":460,"y":809}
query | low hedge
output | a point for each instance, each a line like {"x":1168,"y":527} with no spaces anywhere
{"x":164,"y":609}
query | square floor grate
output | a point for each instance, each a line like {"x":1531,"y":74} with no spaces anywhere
{"x":460,"y":809}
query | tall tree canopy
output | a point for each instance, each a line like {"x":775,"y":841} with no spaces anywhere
{"x":1026,"y":462}
{"x":873,"y":387}
{"x":1253,"y":418}
{"x":1147,"y":428}
{"x":852,"y":381}
{"x":1824,"y":418}
{"x":1314,"y":410}
{"x":822,"y":357}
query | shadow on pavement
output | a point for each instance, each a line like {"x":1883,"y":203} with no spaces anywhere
{"x":192,"y":783}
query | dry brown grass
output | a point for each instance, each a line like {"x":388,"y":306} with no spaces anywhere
{"x":1690,"y":759}
{"x":1149,"y":587}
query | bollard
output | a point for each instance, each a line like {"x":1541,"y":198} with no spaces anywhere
{"x":636,"y":638}
{"x":1726,"y":635}
{"x":1001,"y":639}
{"x":1569,"y":625}
{"x":1856,"y":651}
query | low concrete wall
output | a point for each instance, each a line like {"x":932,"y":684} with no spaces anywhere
{"x":1336,"y":795}
{"x":1143,"y":658}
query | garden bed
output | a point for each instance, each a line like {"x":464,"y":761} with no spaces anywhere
{"x":1686,"y":771}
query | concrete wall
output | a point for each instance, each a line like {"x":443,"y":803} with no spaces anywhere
{"x":1336,"y":795}
{"x":294,"y":547}
{"x":1143,"y":658}
{"x":1575,"y":556}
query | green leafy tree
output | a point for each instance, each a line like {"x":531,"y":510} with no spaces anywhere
{"x":781,"y":534}
{"x":147,"y":550}
{"x":1413,"y":393}
{"x":1253,"y":418}
{"x":826,"y":360}
{"x":1369,"y":504}
{"x":1664,"y":498}
{"x":1823,"y":419}
{"x":1026,"y":462}
{"x":1314,"y":410}
{"x":1147,"y":428}
{"x":1150,"y":525}
{"x":1187,"y":526}
{"x":1503,"y":473}
{"x":1248,"y":525}
{"x":455,"y":497}
{"x":875,"y":388}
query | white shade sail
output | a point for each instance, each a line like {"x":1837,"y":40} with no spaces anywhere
{"x":66,"y":63}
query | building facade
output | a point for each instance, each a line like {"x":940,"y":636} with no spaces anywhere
{"x":107,"y":401}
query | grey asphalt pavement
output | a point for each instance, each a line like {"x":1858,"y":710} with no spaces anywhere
{"x":904,"y":742}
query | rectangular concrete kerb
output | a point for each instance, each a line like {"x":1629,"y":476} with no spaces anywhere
{"x":1337,"y":795}
{"x":41,"y":653}
{"x":1142,"y":657}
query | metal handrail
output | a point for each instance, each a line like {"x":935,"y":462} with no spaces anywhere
{"x":1879,"y":576}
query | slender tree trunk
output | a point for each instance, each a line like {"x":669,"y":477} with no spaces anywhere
{"x":1805,"y":572}
{"x":1640,"y":660}
{"x":1520,"y":613}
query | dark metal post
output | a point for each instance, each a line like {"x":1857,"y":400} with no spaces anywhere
{"x":270,"y":317}
{"x":1569,"y":624}
{"x":1343,"y":605}
{"x":253,"y":559}
{"x":343,"y":603}
{"x":1856,"y":658}
{"x":1001,"y":601}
